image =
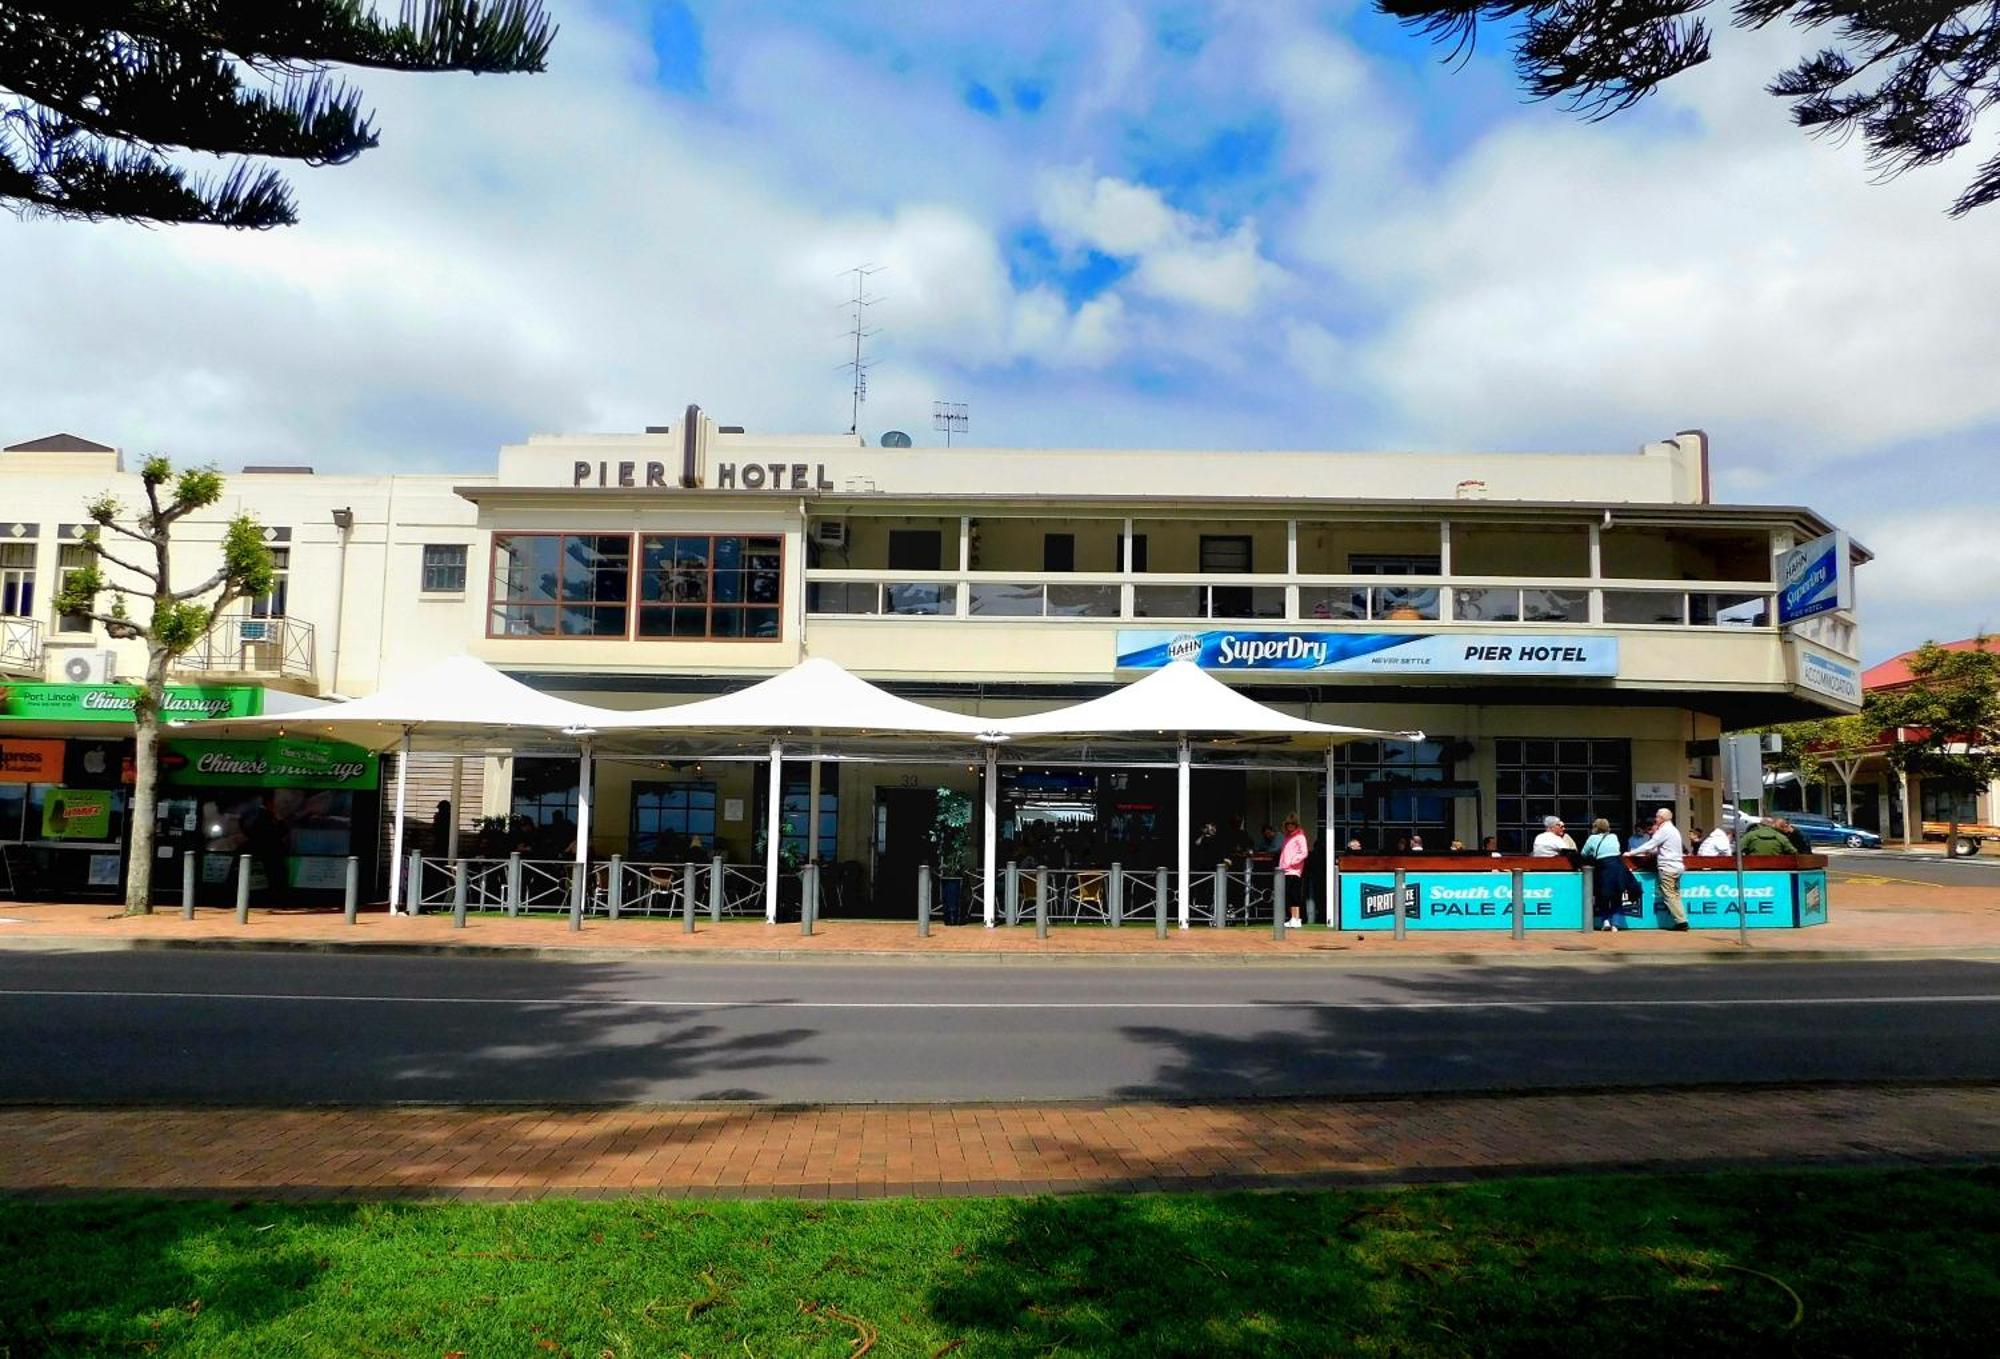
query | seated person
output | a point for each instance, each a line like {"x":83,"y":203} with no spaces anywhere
{"x":1766,"y":838}
{"x":1554,"y":841}
{"x":1716,"y":845}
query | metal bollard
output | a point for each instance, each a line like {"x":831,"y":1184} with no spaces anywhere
{"x":808,"y":896}
{"x":187,"y":883}
{"x":579,"y":883}
{"x":1041,"y":903}
{"x":1402,"y":925}
{"x":1333,"y":901}
{"x":243,"y":889}
{"x":351,"y":907}
{"x":1520,"y":905}
{"x":1221,"y":897}
{"x":923,"y":901}
{"x":1114,"y":895}
{"x":1159,"y":903}
{"x":715,"y":889}
{"x":687,"y":899}
{"x":614,"y":896}
{"x":1584,"y":922}
{"x":1013,"y":893}
{"x":458,"y":894}
{"x":1278,"y":903}
{"x":416,"y":892}
{"x":513,"y":884}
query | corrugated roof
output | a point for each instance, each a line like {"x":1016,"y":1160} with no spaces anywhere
{"x":1895,"y":671}
{"x":59,"y":443}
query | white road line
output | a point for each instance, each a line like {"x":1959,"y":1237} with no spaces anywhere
{"x":578,"y":1002}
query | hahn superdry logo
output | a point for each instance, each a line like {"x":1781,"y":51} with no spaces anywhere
{"x":1378,"y":899}
{"x":1185,"y":647}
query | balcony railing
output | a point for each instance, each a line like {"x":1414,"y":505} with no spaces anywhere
{"x":20,"y":646}
{"x":253,"y":646}
{"x":1298,"y":599}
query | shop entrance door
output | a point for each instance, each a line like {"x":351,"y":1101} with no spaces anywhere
{"x":905,"y":830}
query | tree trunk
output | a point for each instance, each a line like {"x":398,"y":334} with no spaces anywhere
{"x":145,"y":778}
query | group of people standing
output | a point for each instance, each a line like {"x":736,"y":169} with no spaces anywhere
{"x":1615,"y":889}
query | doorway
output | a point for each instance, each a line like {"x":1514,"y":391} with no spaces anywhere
{"x":905,"y":839}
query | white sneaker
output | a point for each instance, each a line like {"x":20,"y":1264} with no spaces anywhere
{"x":1294,"y":924}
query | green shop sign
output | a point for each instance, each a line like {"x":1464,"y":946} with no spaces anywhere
{"x":76,"y":814}
{"x":281,"y":762}
{"x":114,"y":702}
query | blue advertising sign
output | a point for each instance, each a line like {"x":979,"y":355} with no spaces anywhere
{"x":1402,"y":653}
{"x":1812,"y":897}
{"x":1710,"y":901}
{"x":1461,"y":901}
{"x":1814,"y":578}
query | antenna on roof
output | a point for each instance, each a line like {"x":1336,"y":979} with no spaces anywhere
{"x":859,"y":331}
{"x":951,"y":417}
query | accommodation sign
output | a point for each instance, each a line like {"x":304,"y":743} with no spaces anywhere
{"x":1381,"y":653}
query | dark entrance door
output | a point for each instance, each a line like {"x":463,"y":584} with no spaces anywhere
{"x":905,"y":827}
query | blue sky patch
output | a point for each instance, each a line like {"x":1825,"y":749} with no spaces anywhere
{"x":677,"y":47}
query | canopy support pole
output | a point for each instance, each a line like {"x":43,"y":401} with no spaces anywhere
{"x":583,"y":772}
{"x":396,"y":827}
{"x":1329,"y":904}
{"x":457,"y":806}
{"x":992,"y":801}
{"x":1184,"y":813}
{"x":773,"y":825}
{"x":812,"y":810}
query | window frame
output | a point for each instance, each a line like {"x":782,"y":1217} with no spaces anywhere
{"x":709,"y":602}
{"x":24,"y":578}
{"x":632,"y":603}
{"x":559,"y":603}
{"x":275,"y":602}
{"x":424,"y":586}
{"x":71,"y":624}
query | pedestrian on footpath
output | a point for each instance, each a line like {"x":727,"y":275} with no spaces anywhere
{"x":1668,"y":852}
{"x":1292,"y":871}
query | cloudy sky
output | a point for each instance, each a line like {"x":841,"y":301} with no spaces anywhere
{"x":1232,"y":225}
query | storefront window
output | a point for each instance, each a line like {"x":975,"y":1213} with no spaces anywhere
{"x":1575,"y":779}
{"x":673,"y":822}
{"x":1382,"y":794}
{"x":545,"y":798}
{"x":1939,"y":803}
{"x":561,"y":585}
{"x":707,"y":586}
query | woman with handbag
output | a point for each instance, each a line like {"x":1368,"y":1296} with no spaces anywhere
{"x":1613,"y":881}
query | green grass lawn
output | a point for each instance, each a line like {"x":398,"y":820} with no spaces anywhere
{"x":1838,"y":1263}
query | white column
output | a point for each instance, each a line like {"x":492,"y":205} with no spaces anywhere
{"x":457,"y":805}
{"x":1127,"y":596}
{"x":1329,"y":908}
{"x":396,"y":826}
{"x":812,"y":812}
{"x":1184,"y":816}
{"x":1292,"y":569}
{"x":774,"y":822}
{"x":585,"y":762}
{"x":992,"y":801}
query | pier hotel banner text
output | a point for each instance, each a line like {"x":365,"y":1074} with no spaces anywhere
{"x":1377,"y":652}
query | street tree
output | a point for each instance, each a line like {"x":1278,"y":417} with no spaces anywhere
{"x":1948,"y":721}
{"x":95,"y":95}
{"x":1911,"y":80}
{"x":173,"y":620}
{"x":1830,"y":745}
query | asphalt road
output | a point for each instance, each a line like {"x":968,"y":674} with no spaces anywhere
{"x":279,"y":1029}
{"x":1981,"y":870}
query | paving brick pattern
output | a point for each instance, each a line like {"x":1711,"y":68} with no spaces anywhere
{"x":855,"y":1151}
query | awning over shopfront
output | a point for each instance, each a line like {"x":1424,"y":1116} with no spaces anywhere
{"x":816,"y":697}
{"x":1182,"y":699}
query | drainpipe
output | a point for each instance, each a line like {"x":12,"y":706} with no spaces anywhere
{"x":343,"y":520}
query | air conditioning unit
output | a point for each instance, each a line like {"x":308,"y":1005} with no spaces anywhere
{"x":830,"y":532}
{"x":254,"y":629}
{"x":86,"y":667}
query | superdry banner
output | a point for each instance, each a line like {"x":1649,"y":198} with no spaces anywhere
{"x":1815,"y":577}
{"x":1400,"y":653}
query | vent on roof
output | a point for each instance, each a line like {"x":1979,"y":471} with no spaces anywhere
{"x":729,"y":429}
{"x":659,"y":429}
{"x":279,"y":469}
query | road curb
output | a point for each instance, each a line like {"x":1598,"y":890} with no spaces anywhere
{"x":1316,"y":957}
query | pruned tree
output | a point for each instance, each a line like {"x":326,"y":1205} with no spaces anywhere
{"x":1830,"y":745}
{"x":175,"y":619}
{"x":1910,"y":79}
{"x":96,"y":94}
{"x":1949,"y":713}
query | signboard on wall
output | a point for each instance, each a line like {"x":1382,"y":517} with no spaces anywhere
{"x":31,"y":761}
{"x":1820,"y":673}
{"x":76,"y":814}
{"x":1815,"y":577}
{"x":114,"y":702}
{"x":1378,"y":653}
{"x":282,"y":762}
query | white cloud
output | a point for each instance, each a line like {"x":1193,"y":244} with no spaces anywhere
{"x":1932,"y":578}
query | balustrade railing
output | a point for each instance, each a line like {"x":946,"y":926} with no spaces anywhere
{"x":253,"y":646}
{"x":20,"y":646}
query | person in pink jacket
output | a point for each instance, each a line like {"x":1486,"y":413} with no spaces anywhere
{"x":1292,"y":868}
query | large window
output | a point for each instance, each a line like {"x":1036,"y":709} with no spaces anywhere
{"x":544,"y":805}
{"x":71,"y":558}
{"x":561,"y":584}
{"x":703,"y":586}
{"x":1938,"y":803}
{"x":673,"y":822}
{"x":17,"y":579}
{"x":1387,"y":791}
{"x":1575,"y":779}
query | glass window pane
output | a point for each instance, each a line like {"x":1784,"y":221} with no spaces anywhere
{"x":728,"y":586}
{"x":1006,"y":599}
{"x":728,"y":553}
{"x":1487,"y":606}
{"x":1397,"y":604}
{"x":1555,"y":606}
{"x":1082,"y":601}
{"x":1333,"y":602}
{"x":760,"y":622}
{"x":728,"y":622}
{"x":1644,"y":607}
{"x":1168,"y":601}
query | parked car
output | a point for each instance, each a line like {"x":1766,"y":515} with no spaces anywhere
{"x":1824,"y":830}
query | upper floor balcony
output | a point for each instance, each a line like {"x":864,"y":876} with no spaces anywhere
{"x":266,"y":649}
{"x":20,"y":646}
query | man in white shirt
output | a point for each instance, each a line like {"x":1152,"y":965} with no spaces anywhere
{"x":1717,"y":844}
{"x":1668,"y":851}
{"x":1554,"y":841}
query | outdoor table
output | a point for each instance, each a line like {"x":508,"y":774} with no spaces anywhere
{"x":1475,"y":892}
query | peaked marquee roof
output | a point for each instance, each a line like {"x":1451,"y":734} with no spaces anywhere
{"x":1182,"y":699}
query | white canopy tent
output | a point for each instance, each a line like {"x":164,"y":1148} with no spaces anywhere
{"x":816,"y":697}
{"x":1180,"y":700}
{"x":459,"y":704}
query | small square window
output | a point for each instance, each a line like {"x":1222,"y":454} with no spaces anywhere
{"x":444,"y":569}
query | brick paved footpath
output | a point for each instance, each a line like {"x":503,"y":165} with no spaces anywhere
{"x":856,"y":1151}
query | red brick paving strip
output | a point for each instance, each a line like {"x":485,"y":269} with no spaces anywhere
{"x":872,"y":1151}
